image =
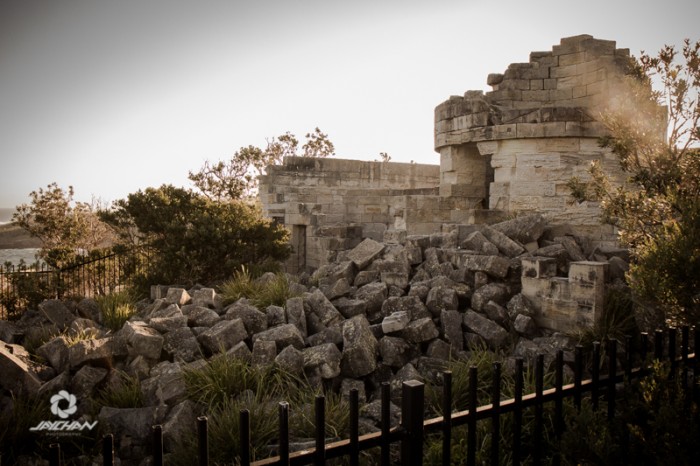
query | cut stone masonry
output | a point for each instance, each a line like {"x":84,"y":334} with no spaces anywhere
{"x":503,"y":153}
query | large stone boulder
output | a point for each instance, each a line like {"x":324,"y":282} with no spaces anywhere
{"x":494,"y":335}
{"x":283,"y":336}
{"x":254,"y":320}
{"x":365,"y":252}
{"x":320,"y":312}
{"x":223,"y":336}
{"x":143,"y":340}
{"x":524,"y":228}
{"x":322,"y":361}
{"x":360,"y":348}
{"x":17,"y":376}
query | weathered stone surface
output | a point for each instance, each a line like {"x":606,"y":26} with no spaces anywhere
{"x":496,"y":292}
{"x":57,"y":313}
{"x":264,"y":352}
{"x":350,"y":307}
{"x":163,"y":309}
{"x":451,"y":322}
{"x":241,"y":351}
{"x":395,"y":321}
{"x":412,"y":305}
{"x":431,"y":368}
{"x":406,"y":373}
{"x":296,"y":314}
{"x":206,"y":297}
{"x":366,"y":276}
{"x":320,"y":312}
{"x":182,"y":345}
{"x":291,"y":359}
{"x":180,"y":424}
{"x":439,"y":349}
{"x":16,"y":374}
{"x":55,"y":352}
{"x":143,"y":340}
{"x":495,"y":266}
{"x":373,"y":411}
{"x":441,"y":298}
{"x":95,"y":352}
{"x":360,"y":348}
{"x":166,"y":386}
{"x":494,"y":335}
{"x":275,"y":316}
{"x":420,"y":330}
{"x":504,"y":244}
{"x":253,"y":320}
{"x":519,"y":304}
{"x":524,"y":228}
{"x":199,"y":316}
{"x":89,"y":309}
{"x":572,"y":247}
{"x":338,"y":289}
{"x":347,"y":385}
{"x":333,"y":334}
{"x":60,"y":382}
{"x":497,"y":313}
{"x":617,"y":269}
{"x":397,"y":352}
{"x":477,"y":242}
{"x":322,"y":361}
{"x":223,"y":336}
{"x":135,"y":423}
{"x":283,"y":336}
{"x":84,"y":381}
{"x":365,"y":252}
{"x":168,"y":324}
{"x":178,"y":296}
{"x":374,"y":294}
{"x":525,"y":326}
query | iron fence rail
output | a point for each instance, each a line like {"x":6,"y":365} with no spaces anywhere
{"x":100,"y":273}
{"x":411,"y":433}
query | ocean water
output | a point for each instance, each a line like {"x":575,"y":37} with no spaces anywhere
{"x":16,"y":256}
{"x":6,"y":214}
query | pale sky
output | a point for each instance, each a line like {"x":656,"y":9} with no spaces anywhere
{"x":116,"y":96}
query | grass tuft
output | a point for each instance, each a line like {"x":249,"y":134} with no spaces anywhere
{"x":117,"y":308}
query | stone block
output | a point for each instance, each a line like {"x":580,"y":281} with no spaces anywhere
{"x":494,"y":335}
{"x":223,"y":336}
{"x":322,"y":361}
{"x":283,"y":336}
{"x":365,"y":252}
{"x":264,"y":352}
{"x":360,"y":348}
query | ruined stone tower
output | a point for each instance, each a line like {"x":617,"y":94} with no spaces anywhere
{"x":515,"y":147}
{"x":504,"y":152}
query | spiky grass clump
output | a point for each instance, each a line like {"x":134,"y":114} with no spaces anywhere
{"x":124,"y":393}
{"x":260,"y":292}
{"x":117,"y":308}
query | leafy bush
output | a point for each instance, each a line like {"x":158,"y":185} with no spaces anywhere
{"x":194,"y":239}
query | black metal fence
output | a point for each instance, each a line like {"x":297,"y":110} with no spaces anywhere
{"x":100,"y":273}
{"x":410,"y":435}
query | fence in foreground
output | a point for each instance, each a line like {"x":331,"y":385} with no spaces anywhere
{"x":410,"y":435}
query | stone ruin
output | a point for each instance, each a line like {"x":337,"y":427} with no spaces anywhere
{"x":503,"y":153}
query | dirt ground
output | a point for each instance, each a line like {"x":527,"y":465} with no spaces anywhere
{"x":13,"y":237}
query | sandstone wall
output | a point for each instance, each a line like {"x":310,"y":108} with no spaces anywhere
{"x":331,"y":204}
{"x":516,"y":146}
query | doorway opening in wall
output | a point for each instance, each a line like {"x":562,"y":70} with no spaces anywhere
{"x":490,"y":177}
{"x":299,"y":248}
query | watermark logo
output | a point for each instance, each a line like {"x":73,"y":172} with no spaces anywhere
{"x":56,"y":402}
{"x":63,"y":405}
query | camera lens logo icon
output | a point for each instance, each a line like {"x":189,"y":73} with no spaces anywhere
{"x":56,"y":400}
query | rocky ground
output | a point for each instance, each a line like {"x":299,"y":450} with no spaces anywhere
{"x":382,"y":312}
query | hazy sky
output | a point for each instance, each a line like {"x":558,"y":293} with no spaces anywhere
{"x":116,"y":96}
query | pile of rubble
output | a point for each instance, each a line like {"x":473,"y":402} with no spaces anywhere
{"x":382,"y":312}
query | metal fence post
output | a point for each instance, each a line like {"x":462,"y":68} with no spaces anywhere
{"x":108,"y":450}
{"x":203,"y":440}
{"x":412,"y":422}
